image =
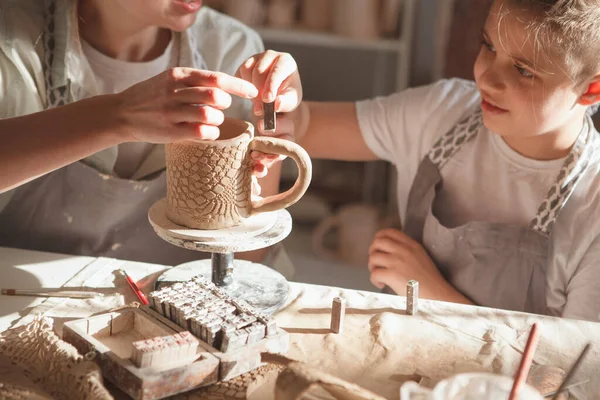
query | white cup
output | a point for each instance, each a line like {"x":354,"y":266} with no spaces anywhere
{"x":467,"y":387}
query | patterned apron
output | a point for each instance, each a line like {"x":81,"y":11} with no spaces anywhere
{"x":493,"y":264}
{"x":77,"y":210}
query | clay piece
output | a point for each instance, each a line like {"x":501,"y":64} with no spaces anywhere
{"x":412,"y":297}
{"x":160,"y":350}
{"x":211,"y":314}
{"x":338,"y":310}
{"x":270,"y":117}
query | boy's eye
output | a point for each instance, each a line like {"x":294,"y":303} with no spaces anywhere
{"x":523,"y":72}
{"x":487,"y":45}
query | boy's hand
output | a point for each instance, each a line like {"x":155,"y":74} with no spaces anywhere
{"x":276,"y":77}
{"x":395,"y":258}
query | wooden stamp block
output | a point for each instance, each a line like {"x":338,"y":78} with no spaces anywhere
{"x":338,"y":311}
{"x":147,"y":344}
{"x":114,"y":350}
{"x":412,"y":297}
{"x":235,"y":359}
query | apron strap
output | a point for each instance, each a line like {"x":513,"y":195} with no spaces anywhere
{"x":55,"y":96}
{"x":453,"y":140}
{"x":571,"y":172}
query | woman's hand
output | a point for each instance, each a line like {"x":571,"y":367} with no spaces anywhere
{"x":395,"y":258}
{"x":179,"y":104}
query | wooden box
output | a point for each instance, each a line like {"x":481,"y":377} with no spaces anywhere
{"x":110,"y":336}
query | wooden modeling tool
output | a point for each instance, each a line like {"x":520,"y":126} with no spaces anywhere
{"x":338,"y":310}
{"x":412,"y":297}
{"x":573,"y":370}
{"x":73,"y":294}
{"x":567,"y":387}
{"x":526,"y":360}
{"x":270,"y":117}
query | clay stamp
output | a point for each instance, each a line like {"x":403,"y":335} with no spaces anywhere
{"x":412,"y":297}
{"x":212,"y":315}
{"x":191,"y":335}
{"x":338,"y":310}
{"x":270,"y":117}
{"x":159,"y":350}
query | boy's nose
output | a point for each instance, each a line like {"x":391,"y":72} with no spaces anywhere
{"x":491,"y":81}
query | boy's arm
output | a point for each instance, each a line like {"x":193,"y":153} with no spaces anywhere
{"x":331,"y":131}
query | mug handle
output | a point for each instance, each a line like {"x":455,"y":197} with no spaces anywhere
{"x":290,"y":149}
{"x":318,"y":237}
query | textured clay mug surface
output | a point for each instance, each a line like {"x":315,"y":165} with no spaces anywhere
{"x":209,"y":182}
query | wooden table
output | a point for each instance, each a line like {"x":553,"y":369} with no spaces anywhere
{"x":380,"y":347}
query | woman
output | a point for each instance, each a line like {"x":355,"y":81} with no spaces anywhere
{"x":128,"y":75}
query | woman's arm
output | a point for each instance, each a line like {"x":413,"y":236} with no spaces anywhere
{"x":38,"y":143}
{"x":162,"y":109}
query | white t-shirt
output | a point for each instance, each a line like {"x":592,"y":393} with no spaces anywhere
{"x":114,"y":76}
{"x":485,"y":181}
{"x":488,"y":181}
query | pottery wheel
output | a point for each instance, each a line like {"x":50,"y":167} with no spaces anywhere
{"x":260,"y":286}
{"x":257,"y":232}
{"x":257,"y":284}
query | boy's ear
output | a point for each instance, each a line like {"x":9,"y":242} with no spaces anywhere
{"x":592,"y":94}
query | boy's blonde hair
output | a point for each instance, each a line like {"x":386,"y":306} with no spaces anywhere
{"x":569,"y":29}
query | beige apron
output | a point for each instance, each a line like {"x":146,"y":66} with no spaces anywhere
{"x":77,"y":210}
{"x":493,"y":264}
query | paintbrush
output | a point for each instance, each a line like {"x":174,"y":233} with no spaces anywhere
{"x":73,"y":294}
{"x":526,"y":360}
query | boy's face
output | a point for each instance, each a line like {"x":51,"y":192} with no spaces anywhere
{"x":525,"y":91}
{"x":176,"y":15}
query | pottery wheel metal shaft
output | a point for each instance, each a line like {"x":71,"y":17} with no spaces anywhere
{"x":222,"y":269}
{"x":260,"y":286}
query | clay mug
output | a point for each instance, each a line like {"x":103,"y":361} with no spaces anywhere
{"x":356,"y":225}
{"x":316,"y":14}
{"x":281,"y":13}
{"x":468,"y":386}
{"x":250,"y":12}
{"x":357,"y":19}
{"x":209,"y":181}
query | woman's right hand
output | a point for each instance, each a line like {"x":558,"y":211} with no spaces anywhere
{"x":178,"y":104}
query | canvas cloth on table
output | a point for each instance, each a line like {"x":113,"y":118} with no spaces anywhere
{"x":36,"y":364}
{"x":381,"y":346}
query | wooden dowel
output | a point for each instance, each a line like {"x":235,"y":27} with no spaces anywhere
{"x":338,"y":310}
{"x":573,"y":369}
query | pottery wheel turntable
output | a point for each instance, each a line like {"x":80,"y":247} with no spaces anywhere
{"x":257,"y":284}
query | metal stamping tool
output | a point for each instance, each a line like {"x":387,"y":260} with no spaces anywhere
{"x":269,"y":117}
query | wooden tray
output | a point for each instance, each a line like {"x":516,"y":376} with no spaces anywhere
{"x":109,"y":338}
